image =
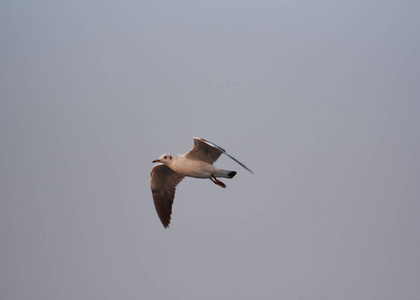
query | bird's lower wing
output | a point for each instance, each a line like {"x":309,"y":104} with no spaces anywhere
{"x":163,"y":183}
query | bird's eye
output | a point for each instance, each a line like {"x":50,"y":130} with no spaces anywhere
{"x":165,"y":157}
{"x":170,"y":157}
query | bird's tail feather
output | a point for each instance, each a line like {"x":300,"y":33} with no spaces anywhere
{"x":231,"y":174}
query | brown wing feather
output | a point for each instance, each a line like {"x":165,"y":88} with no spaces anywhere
{"x":204,"y":151}
{"x":163,"y":183}
{"x":209,"y":152}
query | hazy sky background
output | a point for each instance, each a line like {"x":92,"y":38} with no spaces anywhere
{"x":321,"y":99}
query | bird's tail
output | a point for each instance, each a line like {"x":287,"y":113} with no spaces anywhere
{"x":231,"y":174}
{"x":224,"y":173}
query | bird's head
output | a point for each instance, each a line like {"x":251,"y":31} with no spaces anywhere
{"x":166,"y":159}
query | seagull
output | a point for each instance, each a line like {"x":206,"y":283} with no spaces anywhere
{"x":197,"y":163}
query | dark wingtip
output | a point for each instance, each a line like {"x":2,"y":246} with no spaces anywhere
{"x":232,"y":174}
{"x":166,"y":223}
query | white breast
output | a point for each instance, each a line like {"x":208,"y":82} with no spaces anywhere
{"x":192,"y":168}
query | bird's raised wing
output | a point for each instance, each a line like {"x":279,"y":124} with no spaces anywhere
{"x":163,"y":182}
{"x":209,"y":152}
{"x":204,"y":151}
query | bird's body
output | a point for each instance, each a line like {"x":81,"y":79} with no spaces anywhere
{"x":197,"y":163}
{"x":195,"y":168}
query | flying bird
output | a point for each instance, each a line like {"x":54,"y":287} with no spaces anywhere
{"x":197,"y":163}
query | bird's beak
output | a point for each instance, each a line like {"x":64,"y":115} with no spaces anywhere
{"x":156,"y":160}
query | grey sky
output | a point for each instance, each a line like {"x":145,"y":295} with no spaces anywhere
{"x":319,"y":99}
